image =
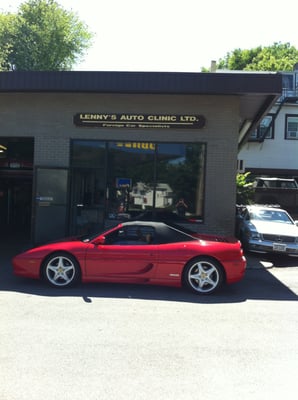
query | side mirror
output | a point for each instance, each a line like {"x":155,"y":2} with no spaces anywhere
{"x":296,"y":223}
{"x":100,"y":240}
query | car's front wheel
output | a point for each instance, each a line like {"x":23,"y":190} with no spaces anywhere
{"x":61,"y":270}
{"x":203,"y":275}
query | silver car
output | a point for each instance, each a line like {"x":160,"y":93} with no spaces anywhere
{"x":267,"y":229}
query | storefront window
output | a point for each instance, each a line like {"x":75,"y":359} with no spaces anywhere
{"x":180,"y":174}
{"x":130,"y":177}
{"x":123,"y":180}
{"x":88,"y":153}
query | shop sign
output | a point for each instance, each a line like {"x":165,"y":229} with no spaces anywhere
{"x":140,"y":121}
{"x":137,"y":145}
{"x":123,"y":183}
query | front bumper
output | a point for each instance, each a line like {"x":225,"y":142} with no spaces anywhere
{"x":272,"y":247}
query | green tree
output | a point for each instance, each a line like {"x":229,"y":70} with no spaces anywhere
{"x":244,"y":188}
{"x":278,"y":57}
{"x":42,"y":36}
{"x":6,"y":25}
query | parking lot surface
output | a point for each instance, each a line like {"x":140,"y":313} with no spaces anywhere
{"x":109,"y":341}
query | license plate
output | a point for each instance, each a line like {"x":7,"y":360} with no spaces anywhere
{"x":279,"y":247}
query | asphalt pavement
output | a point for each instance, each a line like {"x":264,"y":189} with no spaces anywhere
{"x":119,"y":342}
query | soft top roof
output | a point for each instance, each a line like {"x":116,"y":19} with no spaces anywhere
{"x":144,"y":223}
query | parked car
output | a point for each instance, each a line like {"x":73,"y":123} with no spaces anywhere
{"x":267,"y":229}
{"x":137,"y":252}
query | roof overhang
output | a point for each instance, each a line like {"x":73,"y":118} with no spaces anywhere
{"x":253,"y":109}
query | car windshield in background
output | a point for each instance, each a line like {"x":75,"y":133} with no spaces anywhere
{"x":270,"y":216}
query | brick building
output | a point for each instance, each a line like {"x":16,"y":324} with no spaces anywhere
{"x":80,"y":151}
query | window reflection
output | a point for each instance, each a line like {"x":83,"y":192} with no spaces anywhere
{"x":134,"y":164}
{"x":88,"y":153}
{"x":180,"y":167}
{"x":138,"y":180}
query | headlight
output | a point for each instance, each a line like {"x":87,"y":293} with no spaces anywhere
{"x":254,"y":235}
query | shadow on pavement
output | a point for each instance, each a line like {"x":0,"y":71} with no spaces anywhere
{"x":258,"y":284}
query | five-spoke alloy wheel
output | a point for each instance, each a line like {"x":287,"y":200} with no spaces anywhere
{"x":61,"y":270}
{"x":203,"y":275}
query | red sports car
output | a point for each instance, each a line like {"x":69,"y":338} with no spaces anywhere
{"x":137,"y":252}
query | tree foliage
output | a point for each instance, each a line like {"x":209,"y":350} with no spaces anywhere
{"x":6,"y":25}
{"x":244,"y":188}
{"x":278,"y":57}
{"x":42,"y":36}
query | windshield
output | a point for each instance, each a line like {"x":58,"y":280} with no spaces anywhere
{"x":270,"y":216}
{"x":90,"y":236}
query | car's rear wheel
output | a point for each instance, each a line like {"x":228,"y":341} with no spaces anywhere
{"x":61,"y":270}
{"x":203,"y":275}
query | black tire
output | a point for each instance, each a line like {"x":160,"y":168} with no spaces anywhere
{"x":203,"y":275}
{"x":61,"y":270}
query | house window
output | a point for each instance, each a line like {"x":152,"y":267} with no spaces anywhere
{"x":291,"y":127}
{"x":240,"y":166}
{"x":288,"y":81}
{"x":265,"y":130}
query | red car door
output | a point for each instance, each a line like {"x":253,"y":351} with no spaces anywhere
{"x":122,"y":261}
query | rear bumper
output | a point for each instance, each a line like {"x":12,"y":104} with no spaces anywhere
{"x":235,"y":270}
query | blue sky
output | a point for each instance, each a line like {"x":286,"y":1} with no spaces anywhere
{"x":172,"y":35}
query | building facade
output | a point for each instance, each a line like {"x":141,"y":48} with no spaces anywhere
{"x":80,"y":151}
{"x":272,"y":148}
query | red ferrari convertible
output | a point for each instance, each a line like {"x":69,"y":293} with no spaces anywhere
{"x":137,"y":252}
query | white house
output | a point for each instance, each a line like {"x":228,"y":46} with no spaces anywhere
{"x":272,"y":148}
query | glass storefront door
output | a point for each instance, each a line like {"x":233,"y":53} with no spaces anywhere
{"x":88,"y":186}
{"x":88,"y":200}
